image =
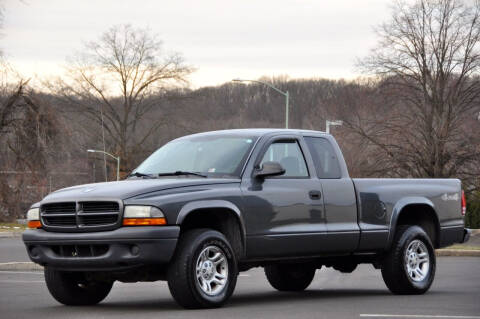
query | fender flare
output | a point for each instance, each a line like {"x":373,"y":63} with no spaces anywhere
{"x":397,"y":209}
{"x":214,"y":203}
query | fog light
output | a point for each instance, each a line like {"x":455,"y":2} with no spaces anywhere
{"x":34,"y":252}
{"x":135,"y":250}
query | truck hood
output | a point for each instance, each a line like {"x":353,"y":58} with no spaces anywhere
{"x":128,"y":188}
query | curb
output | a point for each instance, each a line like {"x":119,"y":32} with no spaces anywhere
{"x":5,"y":234}
{"x":458,"y":252}
{"x":20,"y":266}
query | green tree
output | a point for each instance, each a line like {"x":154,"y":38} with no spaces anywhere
{"x":472,"y":218}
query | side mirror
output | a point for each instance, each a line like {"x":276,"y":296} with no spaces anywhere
{"x":269,"y":169}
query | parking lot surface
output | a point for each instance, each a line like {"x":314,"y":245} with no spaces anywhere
{"x":362,"y":294}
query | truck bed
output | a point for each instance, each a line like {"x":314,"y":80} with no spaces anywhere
{"x":381,"y":199}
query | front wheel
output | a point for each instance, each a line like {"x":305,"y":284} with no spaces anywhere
{"x":203,"y":273}
{"x":409,"y":268}
{"x":74,"y":288}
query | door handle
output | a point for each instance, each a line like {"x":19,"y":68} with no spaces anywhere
{"x":315,"y":195}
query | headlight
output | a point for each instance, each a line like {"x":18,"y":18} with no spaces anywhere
{"x":33,"y":218}
{"x":143,"y":216}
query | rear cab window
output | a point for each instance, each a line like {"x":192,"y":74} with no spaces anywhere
{"x":324,"y":157}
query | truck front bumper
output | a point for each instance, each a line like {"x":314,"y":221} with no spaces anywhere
{"x":123,"y":248}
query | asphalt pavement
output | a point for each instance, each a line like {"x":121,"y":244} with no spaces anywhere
{"x":362,"y":294}
{"x":12,"y":249}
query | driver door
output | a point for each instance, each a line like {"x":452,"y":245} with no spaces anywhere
{"x":284,"y":215}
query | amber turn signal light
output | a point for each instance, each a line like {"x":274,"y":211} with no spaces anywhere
{"x":144,"y":221}
{"x":34,"y":224}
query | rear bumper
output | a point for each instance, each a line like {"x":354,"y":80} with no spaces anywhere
{"x":123,"y":248}
{"x":453,"y":234}
{"x":466,"y":235}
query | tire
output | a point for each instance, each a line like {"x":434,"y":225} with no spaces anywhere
{"x":412,"y":250}
{"x":292,"y":277}
{"x":72,"y":289}
{"x":195,"y":273}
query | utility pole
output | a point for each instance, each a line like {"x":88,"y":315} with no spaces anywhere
{"x":117,"y":158}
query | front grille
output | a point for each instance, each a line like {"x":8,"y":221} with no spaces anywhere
{"x":98,"y":213}
{"x":92,"y":207}
{"x":79,"y":250}
{"x":98,"y":219}
{"x":80,"y":215}
{"x":60,"y":220}
{"x":56,"y":208}
{"x":60,"y":214}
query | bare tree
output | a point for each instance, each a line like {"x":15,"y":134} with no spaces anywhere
{"x":12,"y":90}
{"x":428,"y":59}
{"x":24,"y":131}
{"x":118,"y":80}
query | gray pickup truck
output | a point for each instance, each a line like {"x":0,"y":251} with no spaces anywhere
{"x":206,"y":206}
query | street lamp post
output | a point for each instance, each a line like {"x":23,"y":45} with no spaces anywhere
{"x":115,"y":157}
{"x":332,"y":123}
{"x":287,"y":96}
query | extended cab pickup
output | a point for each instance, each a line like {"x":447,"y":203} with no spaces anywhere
{"x":206,"y":206}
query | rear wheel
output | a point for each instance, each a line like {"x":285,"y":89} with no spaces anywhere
{"x":409,"y":268}
{"x":291,"y":277}
{"x":74,"y":289}
{"x":203,"y":273}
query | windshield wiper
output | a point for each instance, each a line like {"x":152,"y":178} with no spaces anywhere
{"x":138,"y":174}
{"x":178,"y":173}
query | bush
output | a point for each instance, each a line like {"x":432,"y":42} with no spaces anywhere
{"x":472,"y":218}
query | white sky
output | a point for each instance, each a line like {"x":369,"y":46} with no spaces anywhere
{"x":223,"y":39}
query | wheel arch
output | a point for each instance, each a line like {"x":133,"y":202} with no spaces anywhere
{"x":221,"y":215}
{"x":418,"y":211}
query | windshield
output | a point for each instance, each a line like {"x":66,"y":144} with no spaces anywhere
{"x":216,"y":156}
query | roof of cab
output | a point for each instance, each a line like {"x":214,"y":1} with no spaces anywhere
{"x":260,"y":132}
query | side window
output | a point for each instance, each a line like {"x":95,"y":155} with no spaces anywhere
{"x":324,"y":157}
{"x":289,"y":155}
